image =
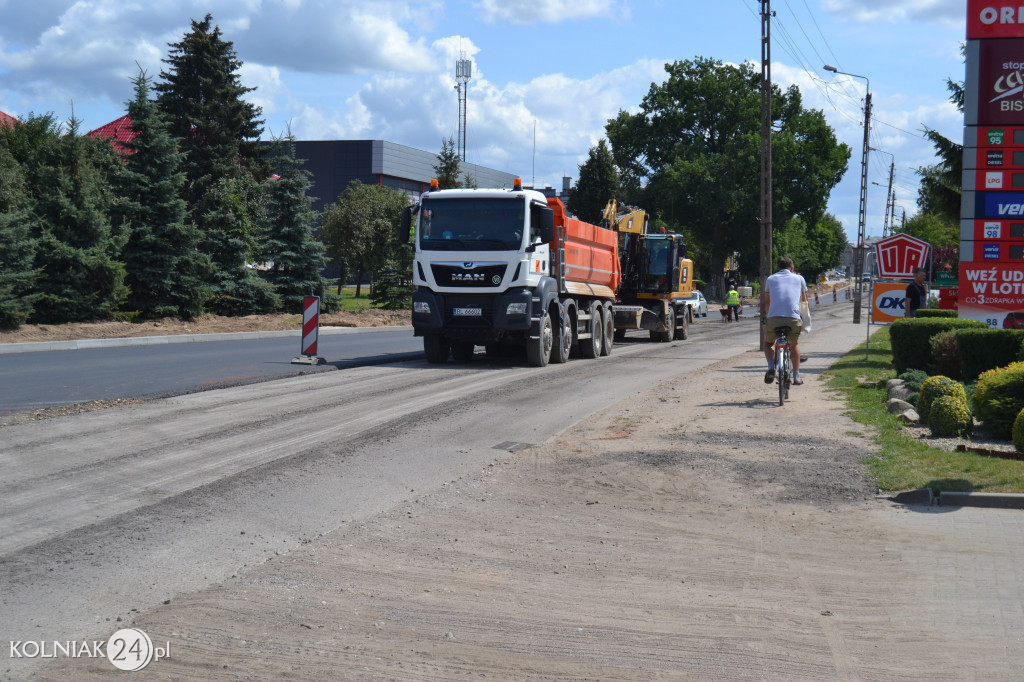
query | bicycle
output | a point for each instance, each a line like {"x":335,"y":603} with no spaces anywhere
{"x":783,"y":364}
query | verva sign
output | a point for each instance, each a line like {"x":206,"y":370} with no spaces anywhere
{"x":987,"y":19}
{"x":899,"y":255}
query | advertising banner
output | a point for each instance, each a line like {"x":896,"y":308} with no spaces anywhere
{"x":992,"y":293}
{"x":988,"y":19}
{"x":1001,"y":90}
{"x":887,"y":301}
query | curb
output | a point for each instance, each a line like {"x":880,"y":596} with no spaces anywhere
{"x":39,"y":346}
{"x":924,"y":496}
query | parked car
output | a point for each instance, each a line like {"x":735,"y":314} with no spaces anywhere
{"x":698,"y":304}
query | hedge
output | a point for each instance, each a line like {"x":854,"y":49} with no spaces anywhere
{"x":984,"y":349}
{"x":998,"y":398}
{"x":911,"y":339}
{"x":934,"y":312}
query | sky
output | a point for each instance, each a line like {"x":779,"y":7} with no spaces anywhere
{"x":547,"y":75}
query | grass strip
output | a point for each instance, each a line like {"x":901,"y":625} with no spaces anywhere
{"x":903,"y":462}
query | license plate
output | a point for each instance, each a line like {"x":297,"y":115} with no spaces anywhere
{"x":468,"y":312}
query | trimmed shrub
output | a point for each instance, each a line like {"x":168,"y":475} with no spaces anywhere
{"x":949,"y":417}
{"x":911,"y":347}
{"x":946,"y":355}
{"x":998,"y":398}
{"x":984,"y":349}
{"x":933,"y":388}
{"x":912,"y":399}
{"x":1018,"y":432}
{"x":913,"y":378}
{"x":934,"y":312}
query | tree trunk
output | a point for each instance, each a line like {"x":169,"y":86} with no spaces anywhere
{"x":359,"y":281}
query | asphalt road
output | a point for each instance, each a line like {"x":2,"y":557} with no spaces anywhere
{"x":50,"y":378}
{"x":34,"y":380}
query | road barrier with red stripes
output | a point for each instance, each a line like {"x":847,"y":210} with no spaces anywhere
{"x":310,"y":331}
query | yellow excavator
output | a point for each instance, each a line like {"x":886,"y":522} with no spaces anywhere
{"x":657,"y":278}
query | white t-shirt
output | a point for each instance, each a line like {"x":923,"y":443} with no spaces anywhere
{"x":784,"y":290}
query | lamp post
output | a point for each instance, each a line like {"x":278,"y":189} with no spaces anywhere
{"x":858,"y":258}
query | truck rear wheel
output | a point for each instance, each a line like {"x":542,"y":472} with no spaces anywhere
{"x":591,"y":348}
{"x":670,"y":331}
{"x":436,"y":348}
{"x":683,"y":326}
{"x":538,"y":350}
{"x":609,"y":329}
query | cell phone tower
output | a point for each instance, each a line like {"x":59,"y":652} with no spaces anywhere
{"x":463,"y":72}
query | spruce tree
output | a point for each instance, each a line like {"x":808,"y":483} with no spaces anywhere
{"x":79,"y":247}
{"x":297,"y":256}
{"x":165,"y":269}
{"x":447,"y":168}
{"x":17,"y":248}
{"x":232,"y":230}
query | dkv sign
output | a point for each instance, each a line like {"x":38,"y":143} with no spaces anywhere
{"x":901,"y":254}
{"x":888,"y":301}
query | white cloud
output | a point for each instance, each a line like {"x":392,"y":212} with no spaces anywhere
{"x":949,"y":12}
{"x":543,"y":11}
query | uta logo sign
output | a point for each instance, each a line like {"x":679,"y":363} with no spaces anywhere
{"x":900,"y":255}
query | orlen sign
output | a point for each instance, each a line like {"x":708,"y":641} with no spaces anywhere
{"x":901,"y":254}
{"x":889,"y":299}
{"x":994,"y":20}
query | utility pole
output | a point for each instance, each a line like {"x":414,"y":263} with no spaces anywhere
{"x":766,"y":156}
{"x":861,"y":248}
{"x":890,"y":207}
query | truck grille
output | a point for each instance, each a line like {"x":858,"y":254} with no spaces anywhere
{"x":468,"y":274}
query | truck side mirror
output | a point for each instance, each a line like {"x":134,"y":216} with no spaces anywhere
{"x":547,"y":225}
{"x":405,"y":230}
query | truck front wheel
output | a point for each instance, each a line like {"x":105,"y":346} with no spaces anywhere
{"x":436,"y":348}
{"x":683,"y":326}
{"x":538,"y":350}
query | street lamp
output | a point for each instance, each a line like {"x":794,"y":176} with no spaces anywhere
{"x":858,"y":259}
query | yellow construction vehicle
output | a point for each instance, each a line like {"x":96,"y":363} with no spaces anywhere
{"x":657,"y":278}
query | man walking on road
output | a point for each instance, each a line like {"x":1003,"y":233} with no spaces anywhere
{"x":786,"y":290}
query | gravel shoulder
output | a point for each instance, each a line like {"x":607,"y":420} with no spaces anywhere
{"x":698,"y":531}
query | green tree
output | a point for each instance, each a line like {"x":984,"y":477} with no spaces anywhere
{"x":597,"y":185}
{"x":448,"y":165}
{"x":166,"y":270}
{"x":201,"y":95}
{"x":71,"y":178}
{"x":814,"y":248}
{"x":691,"y":154}
{"x":942,"y":182}
{"x":232,"y":239}
{"x":297,"y":256}
{"x":360,"y":229}
{"x":17,"y":248}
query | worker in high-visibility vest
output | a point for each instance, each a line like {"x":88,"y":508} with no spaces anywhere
{"x":732,"y":302}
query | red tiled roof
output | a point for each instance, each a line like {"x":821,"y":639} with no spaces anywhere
{"x":7,"y":119}
{"x":117,"y":131}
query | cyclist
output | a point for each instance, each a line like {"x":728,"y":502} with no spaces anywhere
{"x":785,"y":290}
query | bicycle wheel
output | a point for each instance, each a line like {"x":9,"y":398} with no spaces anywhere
{"x":783,"y":362}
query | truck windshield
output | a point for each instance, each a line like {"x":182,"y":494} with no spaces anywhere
{"x":472,"y":224}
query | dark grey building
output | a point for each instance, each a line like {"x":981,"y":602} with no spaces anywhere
{"x":335,"y":163}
